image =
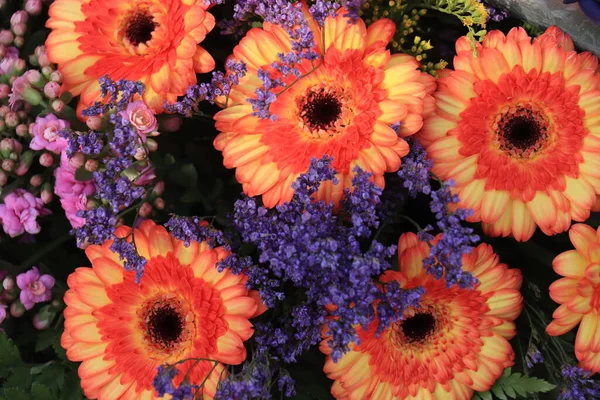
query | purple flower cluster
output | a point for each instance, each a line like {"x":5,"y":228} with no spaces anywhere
{"x":163,"y":383}
{"x":578,"y":385}
{"x":445,"y":257}
{"x":495,"y":14}
{"x":303,"y":242}
{"x":192,"y":229}
{"x":127,"y":252}
{"x":534,"y":356}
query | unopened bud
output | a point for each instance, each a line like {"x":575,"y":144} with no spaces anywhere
{"x":4,"y":90}
{"x":7,"y":146}
{"x":77,"y":160}
{"x":8,"y":283}
{"x":56,"y":76}
{"x":11,"y":119}
{"x":91,"y":204}
{"x":140,"y":153}
{"x":91,"y":165}
{"x":159,"y":188}
{"x":4,"y":110}
{"x":46,"y":159}
{"x":22,"y":130}
{"x":35,"y":78}
{"x":52,"y":90}
{"x":171,"y":123}
{"x":18,"y":67}
{"x":36,"y":180}
{"x":17,"y":309}
{"x":32,"y":96}
{"x":33,"y":7}
{"x":2,"y":125}
{"x":2,"y":4}
{"x":6,"y":37}
{"x":94,"y":123}
{"x":19,"y":29}
{"x":3,"y":178}
{"x":19,"y":17}
{"x":19,"y":41}
{"x":8,"y":165}
{"x":41,"y":321}
{"x":159,"y":203}
{"x":46,"y":196}
{"x":43,"y":61}
{"x":22,"y":114}
{"x":145,"y":210}
{"x":58,"y":105}
{"x":151,"y":144}
{"x":47,"y":71}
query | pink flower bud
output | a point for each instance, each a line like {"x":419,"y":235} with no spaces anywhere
{"x":6,"y":37}
{"x":159,"y":188}
{"x":2,"y":4}
{"x":34,"y":77}
{"x":159,"y":203}
{"x":3,"y":178}
{"x":22,"y":130}
{"x":19,"y":30}
{"x":46,"y":159}
{"x":140,"y":153}
{"x":35,"y":180}
{"x":171,"y":123}
{"x":145,"y":210}
{"x":8,"y":283}
{"x":47,"y":70}
{"x":4,"y":90}
{"x":43,"y":60}
{"x":19,"y":66}
{"x":91,"y":165}
{"x":8,"y":165}
{"x":77,"y":160}
{"x":23,"y":168}
{"x":58,"y":105}
{"x":94,"y":123}
{"x":22,"y":115}
{"x":19,"y":17}
{"x":40,"y":323}
{"x":7,"y":145}
{"x":52,"y":90}
{"x":19,"y":41}
{"x":56,"y":76}
{"x":17,"y":309}
{"x":151,"y":144}
{"x":11,"y":119}
{"x":46,"y":196}
{"x":4,"y":110}
{"x":33,"y":7}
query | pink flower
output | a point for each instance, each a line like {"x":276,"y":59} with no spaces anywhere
{"x":8,"y":60}
{"x":140,"y":117}
{"x":18,"y":87}
{"x":19,"y":213}
{"x":148,"y":176}
{"x":34,"y":288}
{"x":2,"y":312}
{"x":72,"y":203}
{"x":45,"y":134}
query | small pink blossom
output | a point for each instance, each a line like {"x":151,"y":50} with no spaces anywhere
{"x":19,"y":213}
{"x":10,"y":56}
{"x":34,"y":288}
{"x":72,"y":203}
{"x":73,"y":193}
{"x":147,"y":176}
{"x":45,"y":134}
{"x":18,"y":87}
{"x":2,"y":312}
{"x":141,"y":117}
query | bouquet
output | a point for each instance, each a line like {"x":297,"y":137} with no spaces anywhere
{"x":310,"y":199}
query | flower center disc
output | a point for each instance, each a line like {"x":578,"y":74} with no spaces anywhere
{"x":164,"y":323}
{"x":418,"y":328}
{"x":320,"y":110}
{"x":521,"y":131}
{"x":139,"y":28}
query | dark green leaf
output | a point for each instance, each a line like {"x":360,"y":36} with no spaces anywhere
{"x":39,"y":368}
{"x":185,"y":175}
{"x":19,"y":378}
{"x":498,"y":392}
{"x":9,"y":352}
{"x":16,"y":394}
{"x":72,"y":387}
{"x":40,"y":392}
{"x":45,"y":339}
{"x":484,"y":395}
{"x":83,"y":175}
{"x":52,"y":376}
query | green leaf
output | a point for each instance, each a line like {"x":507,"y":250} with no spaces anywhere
{"x":485,"y":395}
{"x":9,"y":352}
{"x":518,"y":385}
{"x":45,"y":339}
{"x":19,"y":378}
{"x":41,"y":392}
{"x":39,"y":368}
{"x":72,"y":387}
{"x":16,"y":394}
{"x":498,"y":392}
{"x":83,"y":175}
{"x":52,"y":376}
{"x":186,"y":175}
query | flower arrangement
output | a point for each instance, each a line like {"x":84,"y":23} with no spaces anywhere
{"x":316,"y":199}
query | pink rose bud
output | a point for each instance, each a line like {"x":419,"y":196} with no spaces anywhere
{"x":19,"y":30}
{"x":33,"y":7}
{"x":19,"y":41}
{"x":91,"y":165}
{"x":172,"y":123}
{"x":4,"y":110}
{"x":145,"y":210}
{"x":35,"y":180}
{"x":22,"y":130}
{"x":11,"y":119}
{"x":8,"y":165}
{"x":46,"y":196}
{"x":151,"y":144}
{"x":94,"y":123}
{"x":56,"y":76}
{"x":46,"y":159}
{"x":77,"y":160}
{"x":52,"y":90}
{"x":58,"y":105}
{"x":43,"y":60}
{"x":3,"y":178}
{"x":19,"y":17}
{"x":159,"y":203}
{"x":17,"y":309}
{"x":8,"y":283}
{"x":4,"y":90}
{"x":159,"y":188}
{"x":141,"y":117}
{"x":6,"y":37}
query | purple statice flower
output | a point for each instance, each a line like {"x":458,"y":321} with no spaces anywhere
{"x":118,"y":95}
{"x":99,"y":227}
{"x":35,"y":288}
{"x":132,"y":261}
{"x":495,"y":14}
{"x":578,"y":385}
{"x":534,"y":356}
{"x":321,"y":9}
{"x":396,"y":298}
{"x":163,"y":381}
{"x":353,"y":7}
{"x":192,"y":229}
{"x":415,"y":170}
{"x":303,"y":242}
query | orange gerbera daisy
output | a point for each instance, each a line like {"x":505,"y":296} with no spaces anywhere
{"x":344,"y":109}
{"x":578,"y":294}
{"x":183,"y":308}
{"x":152,"y":41}
{"x":456,"y":342}
{"x":518,"y":129}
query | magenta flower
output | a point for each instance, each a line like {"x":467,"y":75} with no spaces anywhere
{"x":45,"y":134}
{"x":141,"y":117}
{"x":10,"y":56}
{"x":2,"y":312}
{"x":34,"y":288}
{"x":18,"y":88}
{"x":73,"y":194}
{"x":72,"y":203}
{"x":19,"y":213}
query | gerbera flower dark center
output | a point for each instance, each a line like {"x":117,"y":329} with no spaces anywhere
{"x":521,"y":131}
{"x":164,"y":323}
{"x":320,"y":110}
{"x":418,"y":328}
{"x":139,"y":27}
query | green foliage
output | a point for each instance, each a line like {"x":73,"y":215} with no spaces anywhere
{"x":9,"y":353}
{"x":513,"y":386}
